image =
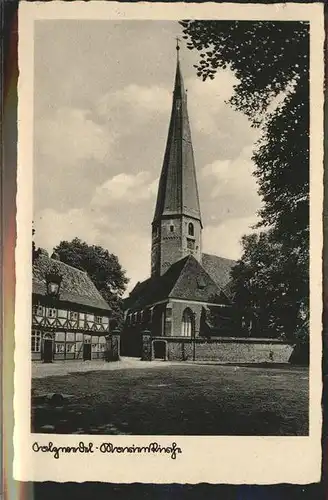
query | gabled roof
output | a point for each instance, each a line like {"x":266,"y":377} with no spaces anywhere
{"x":76,"y":286}
{"x":218,"y":268}
{"x":156,"y":288}
{"x":177,"y":190}
{"x":194,"y":283}
{"x":185,"y":279}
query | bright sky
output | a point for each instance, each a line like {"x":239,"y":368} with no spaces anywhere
{"x":102,"y":100}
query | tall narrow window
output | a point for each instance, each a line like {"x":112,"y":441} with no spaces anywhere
{"x":187,"y":326}
{"x":191,"y":230}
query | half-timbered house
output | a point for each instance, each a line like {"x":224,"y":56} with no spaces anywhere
{"x":70,"y":318}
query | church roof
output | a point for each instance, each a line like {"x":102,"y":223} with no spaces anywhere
{"x":76,"y":286}
{"x":177,"y":191}
{"x":218,"y":268}
{"x":156,"y":288}
{"x":185,"y":279}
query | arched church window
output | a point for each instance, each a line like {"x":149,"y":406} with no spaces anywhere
{"x":171,"y":228}
{"x":188,"y":320}
{"x":191,"y":230}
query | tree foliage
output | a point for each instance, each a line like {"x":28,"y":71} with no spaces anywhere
{"x":35,"y":251}
{"x":103,"y":268}
{"x":270,"y":59}
{"x":271,"y":62}
{"x":264,"y":282}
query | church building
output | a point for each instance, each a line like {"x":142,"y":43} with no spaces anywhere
{"x":187,"y":294}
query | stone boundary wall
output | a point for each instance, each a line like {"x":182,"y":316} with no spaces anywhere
{"x":222,"y":350}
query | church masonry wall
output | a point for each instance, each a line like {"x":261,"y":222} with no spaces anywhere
{"x":174,"y":241}
{"x":171,"y":243}
{"x":196,"y":238}
{"x":177,"y":312}
{"x":223,"y":350}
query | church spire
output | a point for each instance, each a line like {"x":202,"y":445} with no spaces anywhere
{"x":178,"y":191}
{"x":177,"y":46}
{"x":177,"y":225}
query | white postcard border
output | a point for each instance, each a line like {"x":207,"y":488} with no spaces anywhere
{"x":232,"y":460}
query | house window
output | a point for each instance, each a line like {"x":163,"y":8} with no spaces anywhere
{"x":36,"y":341}
{"x":98,"y":319}
{"x":38,"y":310}
{"x":73,"y":315}
{"x":60,"y":347}
{"x":51,"y":313}
{"x":98,"y":347}
{"x":191,"y":230}
{"x":190,"y":244}
{"x":70,"y":347}
{"x":187,"y":325}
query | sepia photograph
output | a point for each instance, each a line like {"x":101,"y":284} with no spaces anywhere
{"x":171,"y":222}
{"x":173,"y":197}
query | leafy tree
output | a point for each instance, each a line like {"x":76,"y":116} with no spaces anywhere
{"x":271,"y":62}
{"x":35,"y":251}
{"x":103,"y":268}
{"x":269,"y":59}
{"x":264,"y":282}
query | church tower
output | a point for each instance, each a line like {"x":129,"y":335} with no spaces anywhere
{"x":177,"y":225}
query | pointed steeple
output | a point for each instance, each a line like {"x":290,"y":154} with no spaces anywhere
{"x":178,"y":191}
{"x":177,"y":225}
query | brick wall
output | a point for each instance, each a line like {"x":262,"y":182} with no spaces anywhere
{"x":225,"y":350}
{"x":177,"y":312}
{"x":170,"y":245}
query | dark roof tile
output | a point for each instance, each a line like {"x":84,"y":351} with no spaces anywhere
{"x":76,"y":286}
{"x":218,"y":268}
{"x":154,"y":289}
{"x":185,"y":279}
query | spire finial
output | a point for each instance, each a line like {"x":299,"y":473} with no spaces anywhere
{"x":178,"y":46}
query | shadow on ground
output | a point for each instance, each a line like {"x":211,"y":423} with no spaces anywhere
{"x":178,"y":400}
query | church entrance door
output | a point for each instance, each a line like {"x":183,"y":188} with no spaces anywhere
{"x":159,"y":347}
